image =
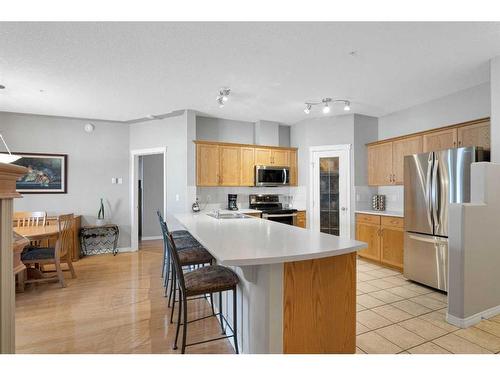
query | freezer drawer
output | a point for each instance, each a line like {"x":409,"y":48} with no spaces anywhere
{"x":426,"y":260}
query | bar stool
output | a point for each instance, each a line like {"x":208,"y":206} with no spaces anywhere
{"x":176,"y":234}
{"x":199,"y":282}
{"x":189,"y":257}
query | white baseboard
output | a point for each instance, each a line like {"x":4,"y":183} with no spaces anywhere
{"x":473,"y":319}
{"x":125,"y":249}
{"x":151,"y":238}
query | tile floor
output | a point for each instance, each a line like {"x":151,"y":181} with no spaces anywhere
{"x":395,"y":315}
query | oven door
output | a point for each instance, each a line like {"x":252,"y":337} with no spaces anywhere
{"x":280,"y":218}
{"x":271,"y":176}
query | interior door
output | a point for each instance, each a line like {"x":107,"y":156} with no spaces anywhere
{"x":331,"y":187}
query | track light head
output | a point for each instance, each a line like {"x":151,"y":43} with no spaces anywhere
{"x":223,"y":96}
{"x":326,"y":108}
{"x":307,"y":110}
{"x":347,"y":106}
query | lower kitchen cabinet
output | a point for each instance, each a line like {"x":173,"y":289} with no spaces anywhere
{"x":300,"y":219}
{"x":384,"y":236}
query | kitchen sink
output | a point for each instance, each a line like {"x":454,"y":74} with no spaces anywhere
{"x":228,"y":215}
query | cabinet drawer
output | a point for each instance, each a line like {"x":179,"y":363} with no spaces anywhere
{"x":370,"y":219}
{"x":392,"y":221}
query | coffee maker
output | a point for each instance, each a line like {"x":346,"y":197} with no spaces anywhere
{"x":231,"y":202}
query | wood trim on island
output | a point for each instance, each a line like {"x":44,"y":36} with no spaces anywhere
{"x":319,"y":306}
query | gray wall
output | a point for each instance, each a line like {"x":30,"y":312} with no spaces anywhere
{"x":465,"y":105}
{"x":152,"y":198}
{"x":495,"y":109}
{"x":284,"y":135}
{"x":222,"y":130}
{"x":170,"y":132}
{"x":93,"y":159}
{"x":266,"y":133}
{"x":365,"y":131}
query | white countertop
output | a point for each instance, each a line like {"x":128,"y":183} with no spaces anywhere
{"x":381,"y":213}
{"x":245,"y":242}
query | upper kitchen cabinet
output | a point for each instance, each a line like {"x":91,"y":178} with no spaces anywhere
{"x":230,"y":165}
{"x":380,"y":164}
{"x":294,"y":179}
{"x":280,"y":157}
{"x":247,"y":166}
{"x":207,"y":165}
{"x":400,"y":149}
{"x":440,"y":140}
{"x":474,"y":135}
{"x":262,"y":156}
{"x":272,"y":156}
{"x":386,"y":157}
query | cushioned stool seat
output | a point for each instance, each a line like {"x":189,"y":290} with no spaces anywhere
{"x":180,"y":233}
{"x":38,"y":253}
{"x":209,"y":279}
{"x":189,"y":257}
{"x":186,"y":243}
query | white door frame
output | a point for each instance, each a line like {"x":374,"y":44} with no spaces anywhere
{"x":134,"y":172}
{"x":335,"y":148}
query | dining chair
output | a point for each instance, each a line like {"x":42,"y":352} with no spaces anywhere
{"x":31,"y":219}
{"x":53,"y":255}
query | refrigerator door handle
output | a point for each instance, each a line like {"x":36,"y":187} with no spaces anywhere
{"x":435,"y":195}
{"x":428,"y":189}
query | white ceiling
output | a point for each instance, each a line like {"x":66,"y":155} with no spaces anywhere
{"x":124,"y":71}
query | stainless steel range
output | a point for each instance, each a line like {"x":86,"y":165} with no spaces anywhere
{"x":272,"y":208}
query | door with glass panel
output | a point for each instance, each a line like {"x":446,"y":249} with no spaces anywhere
{"x":330,"y":175}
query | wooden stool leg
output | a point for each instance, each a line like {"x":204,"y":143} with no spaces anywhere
{"x":70,"y":265}
{"x":60,"y":273}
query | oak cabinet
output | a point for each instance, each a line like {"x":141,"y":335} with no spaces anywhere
{"x":294,"y":178}
{"x":400,"y":149}
{"x":280,"y":158}
{"x":247,"y":166}
{"x":474,"y":135}
{"x":230,"y":165}
{"x":300,"y":219}
{"x":386,"y":158}
{"x":380,"y":164}
{"x":384,"y":236}
{"x":262,"y":156}
{"x":369,"y":233}
{"x":207,"y":165}
{"x":440,"y":140}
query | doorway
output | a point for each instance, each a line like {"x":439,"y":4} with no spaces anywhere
{"x":149,"y":193}
{"x":331,"y":189}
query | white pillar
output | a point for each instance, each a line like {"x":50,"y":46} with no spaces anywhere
{"x":495,"y":108}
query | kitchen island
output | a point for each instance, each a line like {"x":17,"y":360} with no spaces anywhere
{"x":298,"y":287}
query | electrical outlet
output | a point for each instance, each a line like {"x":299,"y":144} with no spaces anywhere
{"x":177,"y":197}
{"x":113,"y":180}
{"x":120,"y":180}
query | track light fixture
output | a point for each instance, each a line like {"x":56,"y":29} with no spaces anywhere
{"x":223,"y":96}
{"x":326,"y":105}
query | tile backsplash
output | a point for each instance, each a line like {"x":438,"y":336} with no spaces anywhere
{"x":394,"y":197}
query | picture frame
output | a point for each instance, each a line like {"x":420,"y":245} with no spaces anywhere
{"x":47,"y":173}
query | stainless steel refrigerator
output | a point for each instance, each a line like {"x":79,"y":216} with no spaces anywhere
{"x":431,"y":182}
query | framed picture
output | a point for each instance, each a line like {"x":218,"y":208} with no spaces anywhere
{"x":47,"y":173}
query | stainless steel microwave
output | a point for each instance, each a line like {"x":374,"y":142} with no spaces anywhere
{"x":266,"y":175}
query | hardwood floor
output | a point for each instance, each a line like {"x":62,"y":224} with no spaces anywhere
{"x":115,"y":305}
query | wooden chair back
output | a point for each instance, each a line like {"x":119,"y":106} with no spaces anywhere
{"x":65,"y":239}
{"x":30,"y":219}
